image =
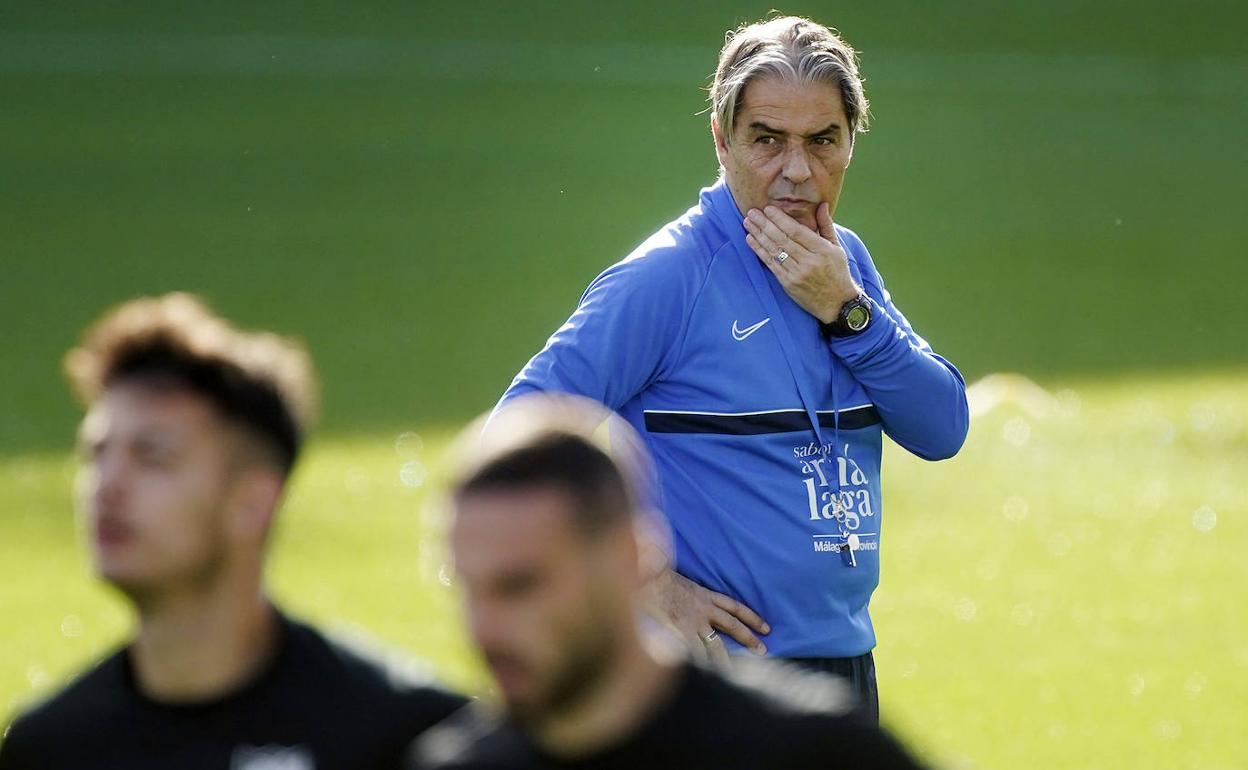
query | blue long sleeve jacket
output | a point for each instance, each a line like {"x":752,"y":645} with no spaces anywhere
{"x":758,"y":424}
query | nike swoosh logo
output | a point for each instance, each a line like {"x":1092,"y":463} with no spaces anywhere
{"x":740,"y":334}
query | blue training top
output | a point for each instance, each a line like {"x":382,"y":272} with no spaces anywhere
{"x":756,"y":421}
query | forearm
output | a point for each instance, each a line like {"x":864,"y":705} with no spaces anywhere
{"x":920,"y":396}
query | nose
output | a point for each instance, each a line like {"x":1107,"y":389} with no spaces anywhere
{"x":796,"y":165}
{"x":104,"y":481}
{"x":484,"y":622}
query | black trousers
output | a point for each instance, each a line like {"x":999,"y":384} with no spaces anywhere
{"x":858,"y":672}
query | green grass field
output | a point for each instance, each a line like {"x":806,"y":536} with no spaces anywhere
{"x":422,"y":192}
{"x":1067,"y":592}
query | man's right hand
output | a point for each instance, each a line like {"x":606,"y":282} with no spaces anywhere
{"x":695,"y":612}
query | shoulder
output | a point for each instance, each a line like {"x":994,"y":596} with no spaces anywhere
{"x":854,"y":245}
{"x":84,"y":704}
{"x":471,"y":737}
{"x":674,"y":261}
{"x":359,"y":667}
{"x":849,"y":238}
{"x":858,"y":253}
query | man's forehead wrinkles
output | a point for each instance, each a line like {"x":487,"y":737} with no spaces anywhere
{"x":779,"y":118}
{"x":824,"y":130}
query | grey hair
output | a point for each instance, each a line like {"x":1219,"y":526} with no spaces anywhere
{"x":790,"y":48}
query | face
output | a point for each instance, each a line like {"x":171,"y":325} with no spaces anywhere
{"x":546,"y":603}
{"x":154,"y":488}
{"x":790,"y":147}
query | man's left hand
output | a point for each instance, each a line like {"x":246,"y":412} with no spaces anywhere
{"x":816,"y":272}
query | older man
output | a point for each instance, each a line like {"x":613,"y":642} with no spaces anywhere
{"x":550,"y":549}
{"x":753,"y":344}
{"x":192,"y":429}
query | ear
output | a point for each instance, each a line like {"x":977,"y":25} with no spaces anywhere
{"x":257,"y":492}
{"x":721,"y":145}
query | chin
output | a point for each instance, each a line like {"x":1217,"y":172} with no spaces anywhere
{"x":139,"y":593}
{"x":806,"y":220}
{"x":515,"y":695}
{"x":523,"y":711}
{"x":802,"y":214}
{"x":126,"y":578}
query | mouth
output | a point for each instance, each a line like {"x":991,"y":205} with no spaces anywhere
{"x":512,"y":680}
{"x":111,"y":533}
{"x":792,"y":204}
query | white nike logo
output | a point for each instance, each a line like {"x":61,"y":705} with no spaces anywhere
{"x":739,"y":334}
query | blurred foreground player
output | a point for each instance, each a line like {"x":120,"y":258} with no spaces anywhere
{"x":548,"y":546}
{"x":192,"y":429}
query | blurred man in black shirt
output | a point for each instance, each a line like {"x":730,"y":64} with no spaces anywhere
{"x":192,"y":429}
{"x":548,"y":546}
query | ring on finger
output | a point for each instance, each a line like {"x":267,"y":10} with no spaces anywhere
{"x":782,"y":256}
{"x":710,"y":636}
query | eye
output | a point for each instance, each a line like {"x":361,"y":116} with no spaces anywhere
{"x":517,"y":585}
{"x":150,"y":460}
{"x":767,"y":140}
{"x":824,"y":141}
{"x":154,"y":455}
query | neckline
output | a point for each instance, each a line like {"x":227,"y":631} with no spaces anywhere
{"x":265,"y":673}
{"x":659,"y":716}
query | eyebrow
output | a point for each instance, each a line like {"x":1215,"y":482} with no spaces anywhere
{"x":758,"y":125}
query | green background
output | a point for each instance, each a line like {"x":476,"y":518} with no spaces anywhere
{"x":421,"y":192}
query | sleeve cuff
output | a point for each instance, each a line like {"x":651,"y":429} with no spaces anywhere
{"x":856,"y":348}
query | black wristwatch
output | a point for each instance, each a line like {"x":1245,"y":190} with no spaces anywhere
{"x":854,"y":317}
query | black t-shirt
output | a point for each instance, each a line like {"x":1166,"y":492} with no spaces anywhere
{"x":761,"y":715}
{"x":318,"y":705}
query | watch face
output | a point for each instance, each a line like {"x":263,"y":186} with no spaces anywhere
{"x":857,"y":317}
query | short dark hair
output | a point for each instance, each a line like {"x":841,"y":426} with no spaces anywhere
{"x":557,"y":441}
{"x":257,"y":380}
{"x":566,"y":462}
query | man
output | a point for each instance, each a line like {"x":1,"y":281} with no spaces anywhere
{"x":550,"y":550}
{"x":192,"y":429}
{"x":753,"y":345}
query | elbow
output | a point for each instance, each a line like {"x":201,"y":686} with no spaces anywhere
{"x":932,"y":422}
{"x":952,"y":437}
{"x":945,"y":449}
{"x":934,"y":445}
{"x":943,"y":439}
